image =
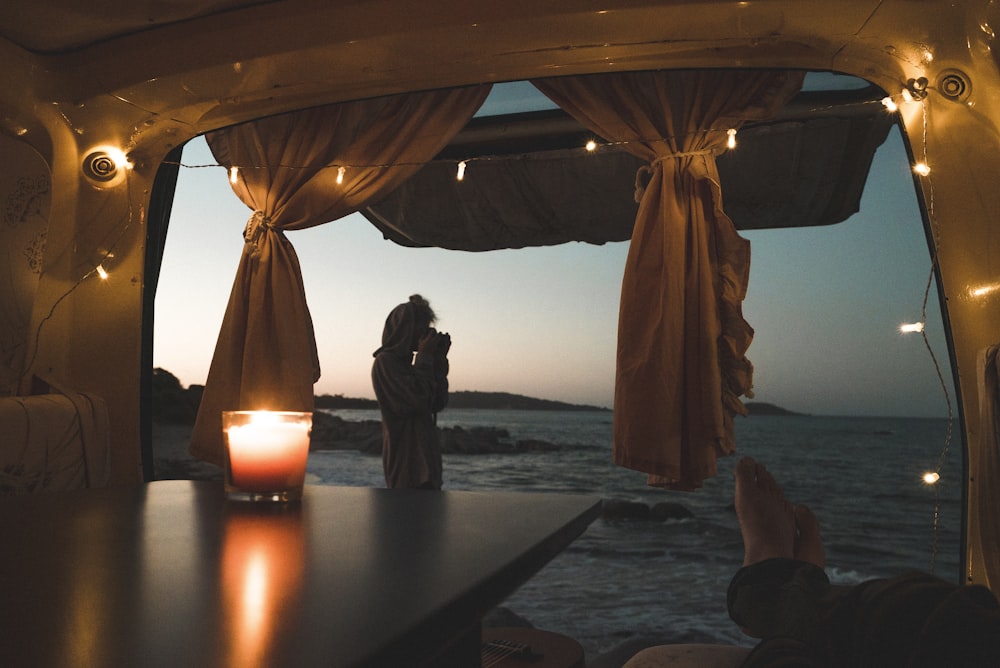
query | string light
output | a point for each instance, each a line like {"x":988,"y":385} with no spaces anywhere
{"x":460,"y":175}
{"x":890,"y":104}
{"x":983,"y":290}
{"x":340,"y":174}
{"x":102,"y":272}
{"x":922,"y":168}
{"x":731,"y":141}
{"x":931,"y":477}
{"x":591,"y":146}
{"x":119,"y":157}
{"x":234,"y":172}
{"x":911,"y":327}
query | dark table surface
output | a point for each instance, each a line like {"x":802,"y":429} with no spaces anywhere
{"x":172,"y":574}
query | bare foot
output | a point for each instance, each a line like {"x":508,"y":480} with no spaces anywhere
{"x":767,"y":520}
{"x":808,"y":544}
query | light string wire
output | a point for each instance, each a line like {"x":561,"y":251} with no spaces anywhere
{"x":933,"y":477}
{"x":591,"y":146}
{"x":96,"y":270}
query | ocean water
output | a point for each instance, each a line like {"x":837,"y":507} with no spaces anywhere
{"x":629,"y":579}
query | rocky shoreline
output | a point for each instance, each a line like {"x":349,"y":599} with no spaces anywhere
{"x":330,"y":432}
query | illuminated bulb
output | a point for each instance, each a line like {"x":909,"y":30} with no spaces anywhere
{"x":340,"y":174}
{"x":120,"y":159}
{"x":591,"y":145}
{"x":731,"y":142}
{"x":931,"y":477}
{"x":912,"y":327}
{"x":907,"y":97}
{"x":102,"y":272}
{"x":889,"y":104}
{"x":233,"y":173}
{"x":922,"y":168}
{"x":461,"y":171}
{"x":983,"y":290}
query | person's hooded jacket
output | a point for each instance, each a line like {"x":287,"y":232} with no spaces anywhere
{"x":410,"y":391}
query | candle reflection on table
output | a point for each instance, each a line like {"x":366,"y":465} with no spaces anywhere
{"x":262,"y":566}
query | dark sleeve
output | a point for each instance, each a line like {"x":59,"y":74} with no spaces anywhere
{"x":440,"y":399}
{"x":404,"y":389}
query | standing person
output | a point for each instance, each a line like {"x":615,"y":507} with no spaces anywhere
{"x":410,"y":377}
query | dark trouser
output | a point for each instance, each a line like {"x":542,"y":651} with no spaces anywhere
{"x":913,"y":620}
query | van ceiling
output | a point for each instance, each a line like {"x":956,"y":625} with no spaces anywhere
{"x":55,"y":26}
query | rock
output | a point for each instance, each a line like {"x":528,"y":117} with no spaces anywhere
{"x":665,"y":510}
{"x":330,"y":432}
{"x":172,"y":404}
{"x":620,"y":509}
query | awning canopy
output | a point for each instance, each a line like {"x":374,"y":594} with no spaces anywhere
{"x":529,"y":181}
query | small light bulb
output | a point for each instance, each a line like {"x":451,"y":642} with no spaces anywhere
{"x":461,"y":171}
{"x":731,"y":142}
{"x":102,"y":272}
{"x":907,"y":96}
{"x":591,"y":146}
{"x":931,"y":477}
{"x":120,"y":158}
{"x":889,"y":104}
{"x":234,"y":172}
{"x":922,"y":168}
{"x":912,"y":327}
{"x":340,"y":174}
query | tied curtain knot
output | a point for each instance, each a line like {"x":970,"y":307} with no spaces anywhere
{"x":644,"y":174}
{"x":258,"y":223}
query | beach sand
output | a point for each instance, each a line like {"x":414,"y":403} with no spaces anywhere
{"x":171,"y":459}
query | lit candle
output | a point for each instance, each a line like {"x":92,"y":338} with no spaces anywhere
{"x":267,"y":451}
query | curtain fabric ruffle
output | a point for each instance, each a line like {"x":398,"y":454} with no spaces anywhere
{"x":288,"y":168}
{"x":682,"y":339}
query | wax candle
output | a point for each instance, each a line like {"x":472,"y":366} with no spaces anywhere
{"x":267,"y":451}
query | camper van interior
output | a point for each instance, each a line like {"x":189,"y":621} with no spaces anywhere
{"x":673,"y":129}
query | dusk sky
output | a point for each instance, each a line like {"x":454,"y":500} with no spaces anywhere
{"x":826,"y":303}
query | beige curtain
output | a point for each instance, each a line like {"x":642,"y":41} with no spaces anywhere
{"x":288,"y":168}
{"x":682,"y":339}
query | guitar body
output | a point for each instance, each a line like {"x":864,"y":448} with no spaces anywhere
{"x":521,"y":647}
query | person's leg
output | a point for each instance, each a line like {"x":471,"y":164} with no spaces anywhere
{"x":783,"y":596}
{"x":778,"y":590}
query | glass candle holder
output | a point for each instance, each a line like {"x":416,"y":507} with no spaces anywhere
{"x":266,"y":453}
